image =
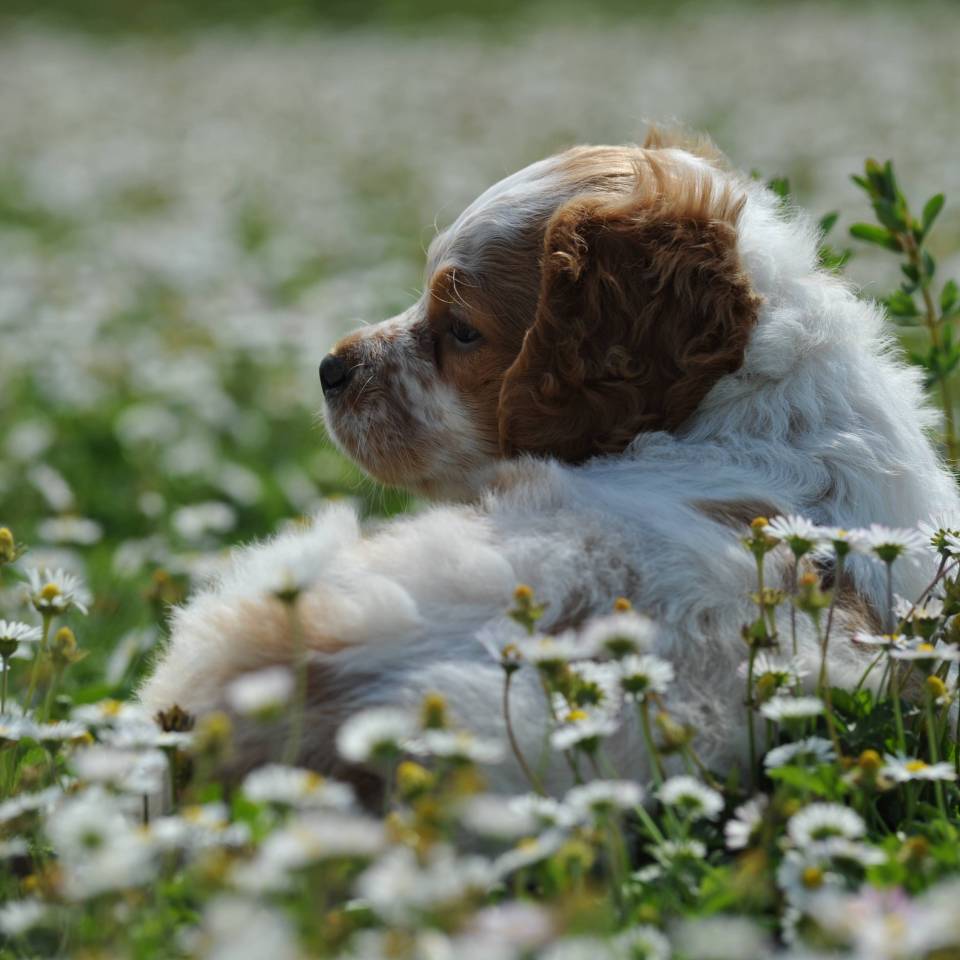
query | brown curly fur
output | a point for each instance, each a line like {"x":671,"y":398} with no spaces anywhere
{"x":643,"y":306}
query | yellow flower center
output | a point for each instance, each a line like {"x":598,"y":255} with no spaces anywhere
{"x":50,"y":591}
{"x":925,"y":647}
{"x":812,"y":878}
{"x":575,"y":716}
{"x":915,"y":766}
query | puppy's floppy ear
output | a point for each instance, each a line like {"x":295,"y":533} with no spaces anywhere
{"x":643,"y":307}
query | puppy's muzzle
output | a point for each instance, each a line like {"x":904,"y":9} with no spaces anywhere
{"x":334,"y":375}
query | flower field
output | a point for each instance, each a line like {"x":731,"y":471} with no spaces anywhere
{"x":187,"y":223}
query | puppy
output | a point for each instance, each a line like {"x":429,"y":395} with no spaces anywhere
{"x":622,"y":355}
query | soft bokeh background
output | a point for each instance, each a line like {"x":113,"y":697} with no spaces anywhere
{"x":196,"y":199}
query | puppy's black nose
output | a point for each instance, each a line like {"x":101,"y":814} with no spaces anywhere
{"x":334,"y":374}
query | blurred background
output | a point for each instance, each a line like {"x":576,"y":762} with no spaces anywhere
{"x":197,"y":197}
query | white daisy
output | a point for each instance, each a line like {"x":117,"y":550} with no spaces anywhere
{"x":810,"y":751}
{"x":919,"y":649}
{"x":618,"y":634}
{"x":903,"y":769}
{"x":783,"y":672}
{"x":843,"y":850}
{"x":529,"y":851}
{"x":931,"y":609}
{"x":400,"y":886}
{"x":818,"y":821}
{"x":799,"y":534}
{"x":603,"y":796}
{"x":261,"y":693}
{"x":546,"y":811}
{"x":781,"y":708}
{"x":455,"y":745}
{"x":375,"y":733}
{"x":492,"y":815}
{"x":42,"y":800}
{"x":645,"y":674}
{"x":879,"y":639}
{"x":598,"y":684}
{"x":543,"y":650}
{"x":13,"y":633}
{"x":721,"y":937}
{"x":583,"y":729}
{"x":890,"y":543}
{"x":804,"y":875}
{"x":642,"y":942}
{"x":59,"y":732}
{"x":20,"y":916}
{"x":56,"y":591}
{"x":298,"y":788}
{"x":740,"y":831}
{"x":673,"y":852}
{"x":79,"y":530}
{"x":694,"y":800}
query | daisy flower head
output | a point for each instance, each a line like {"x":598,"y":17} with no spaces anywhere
{"x":374,"y":734}
{"x":671,"y":853}
{"x":552,"y":652}
{"x":842,"y":540}
{"x":261,"y":693}
{"x":13,"y":633}
{"x":904,"y":769}
{"x":891,"y":640}
{"x":459,"y":745}
{"x":693,"y":799}
{"x":804,"y":875}
{"x":597,"y":685}
{"x":811,"y":751}
{"x":602,"y":797}
{"x":645,"y":674}
{"x":820,"y":821}
{"x":55,"y":591}
{"x":619,"y":634}
{"x":930,"y":609}
{"x":890,"y":543}
{"x":584,"y":730}
{"x":642,"y":942}
{"x":773,"y":672}
{"x":918,"y":649}
{"x":798,"y":533}
{"x":296,"y":788}
{"x":741,"y":830}
{"x":783,"y":709}
{"x":942,"y":532}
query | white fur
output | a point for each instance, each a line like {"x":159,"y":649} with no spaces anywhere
{"x":823,"y":419}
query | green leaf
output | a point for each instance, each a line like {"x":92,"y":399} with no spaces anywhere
{"x":949,"y":297}
{"x":929,"y":267}
{"x":901,"y":304}
{"x":933,"y":207}
{"x":861,"y":182}
{"x":873,"y":234}
{"x":828,"y":222}
{"x":780,"y":186}
{"x":890,"y":215}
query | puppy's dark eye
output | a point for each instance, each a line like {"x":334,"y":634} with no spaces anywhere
{"x":463,"y":333}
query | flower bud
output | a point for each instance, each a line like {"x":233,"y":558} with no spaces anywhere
{"x":622,"y":605}
{"x":8,"y":546}
{"x":936,"y":688}
{"x":433,"y":712}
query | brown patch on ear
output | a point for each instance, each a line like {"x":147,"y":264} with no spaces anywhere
{"x":643,"y":307}
{"x":678,"y":138}
{"x":736,"y":513}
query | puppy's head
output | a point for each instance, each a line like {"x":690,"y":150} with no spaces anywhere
{"x":587,"y":298}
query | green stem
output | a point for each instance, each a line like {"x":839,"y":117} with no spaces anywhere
{"x":514,"y":744}
{"x":298,"y":707}
{"x":38,"y":660}
{"x":3,"y":694}
{"x":656,"y":765}
{"x":935,"y":754}
{"x":751,"y":733}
